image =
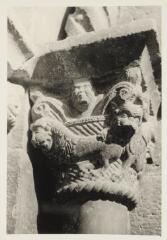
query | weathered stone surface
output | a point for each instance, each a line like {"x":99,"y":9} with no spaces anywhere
{"x":106,"y":164}
{"x":111,"y":17}
{"x":76,"y":62}
{"x":22,"y":205}
{"x":13,"y":171}
{"x":15,"y":95}
{"x":102,"y":217}
{"x":86,"y":59}
{"x":146,"y":218}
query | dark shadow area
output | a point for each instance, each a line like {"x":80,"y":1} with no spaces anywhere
{"x":43,"y":181}
{"x":159,"y":114}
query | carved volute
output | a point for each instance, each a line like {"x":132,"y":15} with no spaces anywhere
{"x":90,"y":121}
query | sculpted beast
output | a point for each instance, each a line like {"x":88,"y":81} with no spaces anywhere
{"x":126,"y":111}
{"x":116,"y":155}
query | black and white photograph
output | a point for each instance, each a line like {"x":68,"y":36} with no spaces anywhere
{"x":84,"y":120}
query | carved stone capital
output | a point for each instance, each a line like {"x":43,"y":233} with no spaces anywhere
{"x":106,"y":163}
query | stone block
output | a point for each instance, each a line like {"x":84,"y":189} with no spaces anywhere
{"x":84,"y":55}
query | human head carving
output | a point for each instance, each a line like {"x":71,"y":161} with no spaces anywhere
{"x":82,"y":94}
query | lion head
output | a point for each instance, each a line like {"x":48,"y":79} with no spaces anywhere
{"x":42,"y":134}
{"x":127,"y":108}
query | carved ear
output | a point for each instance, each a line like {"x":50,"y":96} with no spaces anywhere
{"x":35,"y":94}
{"x":42,"y":122}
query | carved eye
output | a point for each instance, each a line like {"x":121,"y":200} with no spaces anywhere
{"x":124,"y":115}
{"x":47,"y":129}
{"x":124,"y":93}
{"x":41,"y":107}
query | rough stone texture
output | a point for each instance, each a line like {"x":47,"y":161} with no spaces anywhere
{"x":21,"y":212}
{"x":146,"y":218}
{"x":40,"y":139}
{"x":101,"y":217}
{"x":15,"y":95}
{"x":153,"y":87}
{"x":83,"y":56}
{"x":13,"y":171}
{"x":86,"y":18}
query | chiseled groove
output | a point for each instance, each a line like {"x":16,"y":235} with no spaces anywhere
{"x":81,"y":130}
{"x":89,"y":129}
{"x":96,"y":125}
{"x":74,"y":130}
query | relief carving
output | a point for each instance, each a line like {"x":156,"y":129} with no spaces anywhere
{"x":109,"y":159}
{"x":96,"y":135}
{"x":94,"y":100}
{"x":82,"y":99}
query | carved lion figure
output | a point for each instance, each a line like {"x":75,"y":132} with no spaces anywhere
{"x":114,"y":155}
{"x":58,"y":142}
{"x":127,"y":111}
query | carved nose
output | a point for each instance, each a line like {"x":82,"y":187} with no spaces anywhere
{"x":37,"y":142}
{"x":41,"y":141}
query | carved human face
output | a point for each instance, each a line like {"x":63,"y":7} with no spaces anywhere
{"x":42,"y":138}
{"x":82,"y":95}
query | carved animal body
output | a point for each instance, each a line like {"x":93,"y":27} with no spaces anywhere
{"x":67,"y":148}
{"x":109,"y":162}
{"x":132,"y":153}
